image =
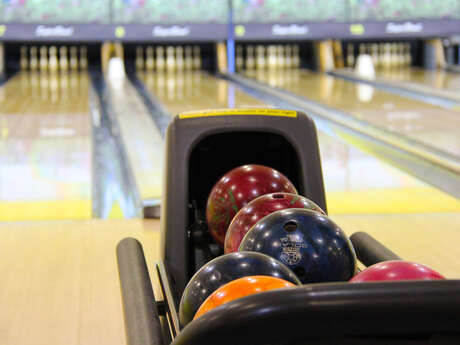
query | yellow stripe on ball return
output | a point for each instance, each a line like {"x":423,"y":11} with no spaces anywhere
{"x":245,"y":111}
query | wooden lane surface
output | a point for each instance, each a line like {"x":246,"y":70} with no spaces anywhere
{"x":194,"y":90}
{"x":439,"y":79}
{"x":358,"y":183}
{"x":45,"y":147}
{"x":355,"y":181}
{"x":60,"y":280}
{"x":430,"y":239}
{"x":431,"y":125}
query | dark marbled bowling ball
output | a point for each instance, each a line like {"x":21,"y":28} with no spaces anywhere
{"x":307,"y":242}
{"x":235,"y":189}
{"x":224,"y":269}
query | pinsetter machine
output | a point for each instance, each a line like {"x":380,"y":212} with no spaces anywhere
{"x":201,"y":147}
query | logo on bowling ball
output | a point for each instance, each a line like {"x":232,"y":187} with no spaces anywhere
{"x":291,"y":246}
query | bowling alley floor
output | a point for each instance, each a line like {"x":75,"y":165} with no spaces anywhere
{"x":59,"y":277}
{"x":67,"y":270}
{"x":60,"y":280}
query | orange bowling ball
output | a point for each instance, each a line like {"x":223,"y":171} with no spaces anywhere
{"x":240,"y":288}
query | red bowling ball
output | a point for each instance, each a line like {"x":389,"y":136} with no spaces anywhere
{"x":396,"y":270}
{"x":259,"y":208}
{"x":236,"y":189}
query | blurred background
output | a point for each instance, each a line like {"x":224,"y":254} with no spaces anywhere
{"x":88,"y":88}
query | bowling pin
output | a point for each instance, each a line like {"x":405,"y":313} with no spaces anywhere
{"x":53,"y":61}
{"x":288,"y":57}
{"x":43,"y":58}
{"x":149,"y":59}
{"x":350,"y":55}
{"x":381,"y":53}
{"x":63,"y":60}
{"x":160,"y":62}
{"x":196,"y":57}
{"x":394,"y":55}
{"x":83,"y":58}
{"x":295,"y":56}
{"x":170,"y":59}
{"x":407,"y":55}
{"x":272,"y":60}
{"x":179,"y":58}
{"x":139,"y":62}
{"x":362,"y":49}
{"x":400,"y":53}
{"x":23,"y":62}
{"x":364,"y":66}
{"x":375,"y":55}
{"x":403,"y":54}
{"x":386,"y":59}
{"x":73,"y":58}
{"x":33,"y":65}
{"x":369,"y":49}
{"x":250,"y":57}
{"x":260,"y":57}
{"x":239,"y":61}
{"x":280,"y":56}
{"x":188,"y":62}
{"x":115,"y":70}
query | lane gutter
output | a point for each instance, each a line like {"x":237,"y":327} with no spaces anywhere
{"x":113,"y":179}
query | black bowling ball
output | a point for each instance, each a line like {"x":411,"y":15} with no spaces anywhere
{"x":224,"y":269}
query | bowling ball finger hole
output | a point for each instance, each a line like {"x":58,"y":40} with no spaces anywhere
{"x":299,"y":272}
{"x":290,"y":226}
{"x":278,"y":196}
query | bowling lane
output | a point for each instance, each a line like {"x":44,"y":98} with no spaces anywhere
{"x":428,"y":124}
{"x":65,"y":298}
{"x":430,"y":239}
{"x":356,"y":182}
{"x":45,"y":147}
{"x":194,"y":90}
{"x":442,"y":80}
{"x":141,"y":138}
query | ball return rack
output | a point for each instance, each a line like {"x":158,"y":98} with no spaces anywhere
{"x":201,"y":147}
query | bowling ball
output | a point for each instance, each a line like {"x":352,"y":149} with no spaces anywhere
{"x":224,"y":269}
{"x":396,"y":270}
{"x":235,"y":189}
{"x":307,"y":242}
{"x":259,"y":208}
{"x":240,"y":288}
